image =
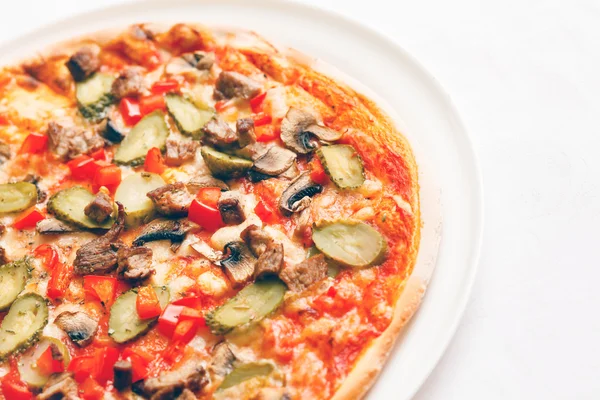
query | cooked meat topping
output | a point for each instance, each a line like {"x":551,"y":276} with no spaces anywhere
{"x":201,"y":60}
{"x":191,"y":376}
{"x":60,"y":387}
{"x":270,"y":261}
{"x":217,"y":133}
{"x":84,"y":62}
{"x":230,"y":208}
{"x":272,"y":394}
{"x":163,"y":229}
{"x":135,"y":263}
{"x":2,"y":229}
{"x":129,"y":83}
{"x":123,"y":375}
{"x":100,"y":255}
{"x":222,"y":360}
{"x":3,"y":258}
{"x":173,"y":199}
{"x":51,"y":226}
{"x":233,"y":84}
{"x":239,"y":263}
{"x":53,"y":72}
{"x":301,"y":276}
{"x":257,"y":239}
{"x":186,"y":395}
{"x":70,"y":142}
{"x":35,"y":179}
{"x":245,"y":131}
{"x":79,"y":326}
{"x":137,"y":46}
{"x":101,"y":208}
{"x":180,"y":151}
{"x":4,"y":152}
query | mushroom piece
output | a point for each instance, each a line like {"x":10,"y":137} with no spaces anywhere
{"x":239,"y":263}
{"x":270,"y":261}
{"x":163,"y":229}
{"x":232,"y":84}
{"x":190,"y":375}
{"x":206,"y":251}
{"x":79,"y":326}
{"x":303,"y":275}
{"x":274,"y":161}
{"x":222,"y":360}
{"x":230,"y":208}
{"x":200,"y":60}
{"x":123,"y":375}
{"x":51,"y":226}
{"x":298,"y":128}
{"x":296,"y":197}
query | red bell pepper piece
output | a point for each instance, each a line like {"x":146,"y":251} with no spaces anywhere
{"x":264,"y":212}
{"x":224,"y":104}
{"x":139,"y":365}
{"x":185,"y":331}
{"x":108,"y":176}
{"x":97,"y":365}
{"x":161,"y":87}
{"x":34,"y":143}
{"x":191,"y":302}
{"x":207,"y":217}
{"x":60,"y":280}
{"x":48,"y":253}
{"x":46,"y":364}
{"x":262,"y":119}
{"x":152,"y":103}
{"x":266,"y":133}
{"x":83,"y":167}
{"x":28,"y":219}
{"x":100,"y":155}
{"x":169,"y":319}
{"x":317,"y":172}
{"x":91,"y":390}
{"x":154,"y":161}
{"x":102,"y":288}
{"x":130,"y":110}
{"x":14,"y":388}
{"x":209,"y":196}
{"x":146,"y":303}
{"x":256,"y":102}
{"x":192,"y":314}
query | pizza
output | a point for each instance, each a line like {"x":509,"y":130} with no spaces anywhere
{"x":194,"y":213}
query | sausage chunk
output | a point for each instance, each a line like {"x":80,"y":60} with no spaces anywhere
{"x":173,"y":199}
{"x":180,"y":151}
{"x":270,"y":261}
{"x":200,"y":60}
{"x":70,"y":142}
{"x":218,"y":134}
{"x":60,"y":386}
{"x":100,"y":209}
{"x":123,"y":375}
{"x":301,"y":276}
{"x":84,"y":62}
{"x":230,"y":208}
{"x":233,"y":84}
{"x":135,"y":263}
{"x":129,"y":83}
{"x":245,"y":131}
{"x":4,"y":152}
{"x":191,"y":376}
{"x":257,"y":239}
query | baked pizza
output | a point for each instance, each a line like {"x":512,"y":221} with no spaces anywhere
{"x":192,"y":213}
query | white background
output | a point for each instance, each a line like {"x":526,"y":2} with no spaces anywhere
{"x":525,"y":76}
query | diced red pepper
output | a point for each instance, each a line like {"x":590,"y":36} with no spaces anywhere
{"x":100,"y":155}
{"x":256,"y":102}
{"x":46,"y":364}
{"x":98,"y":365}
{"x":146,"y":303}
{"x":91,"y":390}
{"x":169,"y":319}
{"x":14,"y":388}
{"x":34,"y":143}
{"x":317,"y":172}
{"x":130,"y":110}
{"x":108,"y":176}
{"x":266,"y":133}
{"x":207,"y":217}
{"x":169,"y":85}
{"x":224,"y":104}
{"x":48,"y":254}
{"x":152,"y":103}
{"x":262,"y":119}
{"x":84,"y":167}
{"x":264,"y":212}
{"x":60,"y":280}
{"x":154,"y":161}
{"x":139,"y":365}
{"x":28,"y":219}
{"x":209,"y":196}
{"x":185,"y":331}
{"x":191,"y":301}
{"x":102,"y":288}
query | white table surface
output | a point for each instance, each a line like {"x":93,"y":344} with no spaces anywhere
{"x":525,"y":75}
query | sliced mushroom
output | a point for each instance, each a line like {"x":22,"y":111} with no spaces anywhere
{"x":201,"y":60}
{"x":5,"y":152}
{"x":201,"y":182}
{"x":257,"y":239}
{"x":298,"y":128}
{"x":270,"y":261}
{"x":222,"y":360}
{"x":191,"y":375}
{"x":230,"y":208}
{"x":60,"y":386}
{"x":79,"y":326}
{"x":123,"y":375}
{"x":303,"y":275}
{"x":51,"y":226}
{"x":239,"y":263}
{"x":163,"y":229}
{"x":296,"y":197}
{"x":274,"y":161}
{"x":206,"y":251}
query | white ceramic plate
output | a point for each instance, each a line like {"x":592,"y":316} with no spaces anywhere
{"x":449,"y":177}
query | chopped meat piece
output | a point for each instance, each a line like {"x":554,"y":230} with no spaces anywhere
{"x":222,"y":360}
{"x":84,"y":62}
{"x":2,"y":229}
{"x":129,"y":83}
{"x":100,"y":255}
{"x":233,"y":84}
{"x":191,"y":376}
{"x":257,"y":239}
{"x":270,"y":261}
{"x":135,"y":263}
{"x":245,"y":131}
{"x":180,"y":151}
{"x":79,"y":326}
{"x":70,"y":142}
{"x":101,"y":208}
{"x":4,"y":152}
{"x":60,"y":387}
{"x":3,"y":258}
{"x":186,"y":395}
{"x":300,"y":276}
{"x":173,"y":199}
{"x":123,"y":375}
{"x":218,"y":133}
{"x":200,"y":59}
{"x":35,"y":179}
{"x":230,"y":208}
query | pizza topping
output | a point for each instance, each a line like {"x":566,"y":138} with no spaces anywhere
{"x":13,"y":277}
{"x":223,"y":165}
{"x":270,"y":261}
{"x":163,"y":229}
{"x":94,"y":96}
{"x":303,"y":275}
{"x":70,"y":142}
{"x":191,"y":376}
{"x":200,"y":60}
{"x":124,"y":323}
{"x":298,"y":129}
{"x":129,"y":83}
{"x":17,"y":196}
{"x":172,"y":200}
{"x":20,"y":328}
{"x":189,"y":119}
{"x":230,"y":208}
{"x":60,"y":386}
{"x":274,"y":161}
{"x":222,"y":360}
{"x":4,"y":152}
{"x":79,"y":326}
{"x":48,"y":357}
{"x":150,"y":132}
{"x":247,"y":371}
{"x":180,"y":151}
{"x":207,"y":181}
{"x":233,"y":84}
{"x":296,"y":197}
{"x":109,"y":131}
{"x":3,"y":258}
{"x":244,"y":128}
{"x":135,"y":263}
{"x":51,"y":226}
{"x":351,"y":243}
{"x":257,"y":239}
{"x":101,"y":208}
{"x":217,"y":133}
{"x":239,"y":263}
{"x":100,"y":255}
{"x":84,"y":62}
{"x":123,"y":374}
{"x":69,"y":206}
{"x":250,"y":305}
{"x":343,"y":165}
{"x":132,"y":194}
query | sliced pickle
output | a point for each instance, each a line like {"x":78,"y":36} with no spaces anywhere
{"x":28,"y":370}
{"x":13,"y":277}
{"x":151,"y":131}
{"x":23,"y":324}
{"x":17,"y":196}
{"x":68,"y":205}
{"x":343,"y":165}
{"x":189,"y":119}
{"x":247,"y":371}
{"x":124,"y":324}
{"x":223,"y":165}
{"x":351,"y":243}
{"x":251,"y":304}
{"x":94,"y":96}
{"x":132,"y":194}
